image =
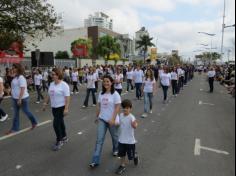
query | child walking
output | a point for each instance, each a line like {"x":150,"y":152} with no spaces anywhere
{"x":126,"y":137}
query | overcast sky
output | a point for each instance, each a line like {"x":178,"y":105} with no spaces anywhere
{"x":175,"y":23}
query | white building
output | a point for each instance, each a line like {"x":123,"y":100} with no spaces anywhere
{"x":99,"y":19}
{"x":60,"y":41}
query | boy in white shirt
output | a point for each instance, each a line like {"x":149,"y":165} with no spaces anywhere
{"x":126,"y":137}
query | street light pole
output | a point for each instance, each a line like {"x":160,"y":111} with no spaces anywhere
{"x":229,"y":51}
{"x":223,"y":31}
{"x":212,"y":35}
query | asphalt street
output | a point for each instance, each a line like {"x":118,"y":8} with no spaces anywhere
{"x":192,"y":135}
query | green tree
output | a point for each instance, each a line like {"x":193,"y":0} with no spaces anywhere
{"x":62,"y":55}
{"x":19,"y":18}
{"x":144,"y":42}
{"x":107,"y":46}
{"x":174,"y":60}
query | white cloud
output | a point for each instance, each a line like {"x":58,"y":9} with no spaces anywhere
{"x":128,"y":16}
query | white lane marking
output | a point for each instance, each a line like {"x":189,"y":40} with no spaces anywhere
{"x":23,"y":131}
{"x":80,"y":133}
{"x":202,"y":103}
{"x":198,"y":148}
{"x":18,"y":167}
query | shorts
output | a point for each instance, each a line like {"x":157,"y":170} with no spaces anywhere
{"x":127,"y":149}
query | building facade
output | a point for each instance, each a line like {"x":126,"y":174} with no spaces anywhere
{"x":99,"y":19}
{"x":60,"y":41}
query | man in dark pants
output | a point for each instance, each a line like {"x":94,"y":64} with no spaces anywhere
{"x":211,"y":76}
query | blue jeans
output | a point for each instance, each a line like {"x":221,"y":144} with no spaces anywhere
{"x":148,"y":101}
{"x":138,"y":90}
{"x":25,"y":108}
{"x":101,"y":133}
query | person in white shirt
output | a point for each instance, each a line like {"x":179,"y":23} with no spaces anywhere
{"x":181,"y":74}
{"x":211,"y":77}
{"x":96,"y":74}
{"x":138,"y":77}
{"x":127,"y":141}
{"x":174,"y":81}
{"x":118,"y":80}
{"x":20,"y":99}
{"x":130,"y":79}
{"x":38,"y":84}
{"x":108,"y":108}
{"x":75,"y":78}
{"x":149,"y":88}
{"x":59,"y":97}
{"x":91,"y":79}
{"x":165,"y":82}
{"x":45,"y":80}
{"x":3,"y":115}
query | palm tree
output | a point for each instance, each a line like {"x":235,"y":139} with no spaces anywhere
{"x":107,"y":46}
{"x":144,"y":42}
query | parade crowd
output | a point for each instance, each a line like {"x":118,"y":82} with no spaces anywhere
{"x":112,"y":113}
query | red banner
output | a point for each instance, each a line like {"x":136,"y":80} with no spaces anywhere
{"x":13,"y":55}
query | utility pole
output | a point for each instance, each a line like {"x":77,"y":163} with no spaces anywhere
{"x":229,"y":51}
{"x":223,"y":31}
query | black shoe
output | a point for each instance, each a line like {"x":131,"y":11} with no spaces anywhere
{"x":120,"y":170}
{"x":136,"y":159}
{"x":93,"y":165}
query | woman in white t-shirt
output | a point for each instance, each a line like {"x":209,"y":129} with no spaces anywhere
{"x":59,"y":96}
{"x":75,"y":78}
{"x":130,"y":79}
{"x":38,"y":78}
{"x":3,"y":115}
{"x":108,"y":108}
{"x":149,"y":88}
{"x":91,"y":88}
{"x":165,"y":82}
{"x":174,"y":81}
{"x":20,"y":99}
{"x":118,"y":80}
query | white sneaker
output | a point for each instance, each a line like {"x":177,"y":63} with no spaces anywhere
{"x":94,"y":105}
{"x":150,"y":112}
{"x":37,"y":102}
{"x":77,"y":93}
{"x":144,"y":115}
{"x":4,"y":118}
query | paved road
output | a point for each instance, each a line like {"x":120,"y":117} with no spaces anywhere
{"x":166,"y":139}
